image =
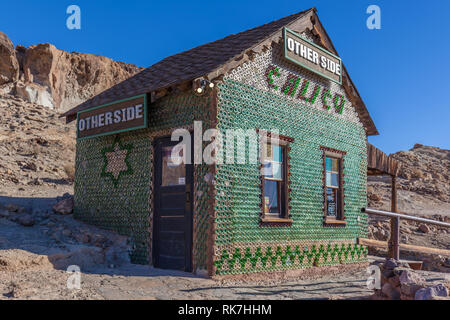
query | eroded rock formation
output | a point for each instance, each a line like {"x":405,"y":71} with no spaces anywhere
{"x":54,"y":78}
{"x":9,"y":65}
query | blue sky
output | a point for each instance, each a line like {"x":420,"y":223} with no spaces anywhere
{"x":401,"y":71}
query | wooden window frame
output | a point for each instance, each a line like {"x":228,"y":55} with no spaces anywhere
{"x":283,"y":218}
{"x":340,"y":217}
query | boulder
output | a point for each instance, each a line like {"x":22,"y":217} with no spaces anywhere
{"x":391,"y":264}
{"x":26,"y":220}
{"x":410,"y":282}
{"x":438,"y":290}
{"x":410,"y":289}
{"x":84,"y":257}
{"x":9,"y":65}
{"x":390,"y":291}
{"x":395,"y":281}
{"x":64,"y":206}
{"x":424,"y":228}
{"x":409,"y":276}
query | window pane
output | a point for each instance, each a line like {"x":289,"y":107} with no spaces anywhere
{"x":331,"y":202}
{"x":172,"y":173}
{"x":277,"y":153}
{"x":273,"y":170}
{"x":268,"y":169}
{"x":332,"y":172}
{"x":334,"y":165}
{"x":268,"y":156}
{"x":277,"y":171}
{"x":271,"y":196}
{"x":334,"y":180}
{"x":328,"y":179}
{"x":328,"y":163}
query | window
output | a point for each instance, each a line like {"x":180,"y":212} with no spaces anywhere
{"x":173,"y":168}
{"x":274,"y":180}
{"x":333,"y":186}
{"x":275,"y":172}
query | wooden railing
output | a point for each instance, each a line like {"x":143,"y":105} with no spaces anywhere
{"x":394,"y":244}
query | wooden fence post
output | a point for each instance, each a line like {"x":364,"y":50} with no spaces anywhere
{"x":394,"y":241}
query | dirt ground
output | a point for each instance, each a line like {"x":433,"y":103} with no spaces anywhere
{"x":143,"y":282}
{"x":28,"y":271}
{"x":135,"y":282}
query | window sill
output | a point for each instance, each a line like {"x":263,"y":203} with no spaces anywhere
{"x":275,"y":220}
{"x":335,"y":222}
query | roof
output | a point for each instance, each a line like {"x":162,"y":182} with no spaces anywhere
{"x":210,"y":60}
{"x":378,"y":163}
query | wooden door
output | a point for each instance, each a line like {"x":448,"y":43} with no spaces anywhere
{"x":172,"y":224}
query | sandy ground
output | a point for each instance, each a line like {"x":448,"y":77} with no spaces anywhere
{"x":26,"y":273}
{"x":144,"y":282}
{"x":33,"y":277}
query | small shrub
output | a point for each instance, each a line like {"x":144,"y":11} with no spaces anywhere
{"x":69,"y":169}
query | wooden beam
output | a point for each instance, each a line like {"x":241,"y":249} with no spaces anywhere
{"x":405,"y":247}
{"x":378,"y":161}
{"x":393,"y":194}
{"x":394,"y":241}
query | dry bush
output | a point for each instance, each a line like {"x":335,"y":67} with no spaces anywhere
{"x":69,"y":169}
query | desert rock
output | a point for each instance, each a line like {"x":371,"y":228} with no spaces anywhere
{"x":26,"y":220}
{"x":424,"y":228}
{"x":9,"y":66}
{"x":54,"y":78}
{"x":64,"y":206}
{"x":429,"y":293}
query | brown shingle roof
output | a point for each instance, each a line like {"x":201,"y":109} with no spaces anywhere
{"x":212,"y":60}
{"x":186,"y":65}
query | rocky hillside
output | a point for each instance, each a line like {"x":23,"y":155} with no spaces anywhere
{"x":37,"y":150}
{"x":427,"y":169}
{"x":54,"y":78}
{"x":423,"y":180}
{"x":423,"y":190}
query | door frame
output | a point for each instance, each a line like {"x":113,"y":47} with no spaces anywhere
{"x":157,"y":170}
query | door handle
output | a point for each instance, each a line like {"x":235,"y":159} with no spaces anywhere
{"x":188,"y":193}
{"x":188,"y":196}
